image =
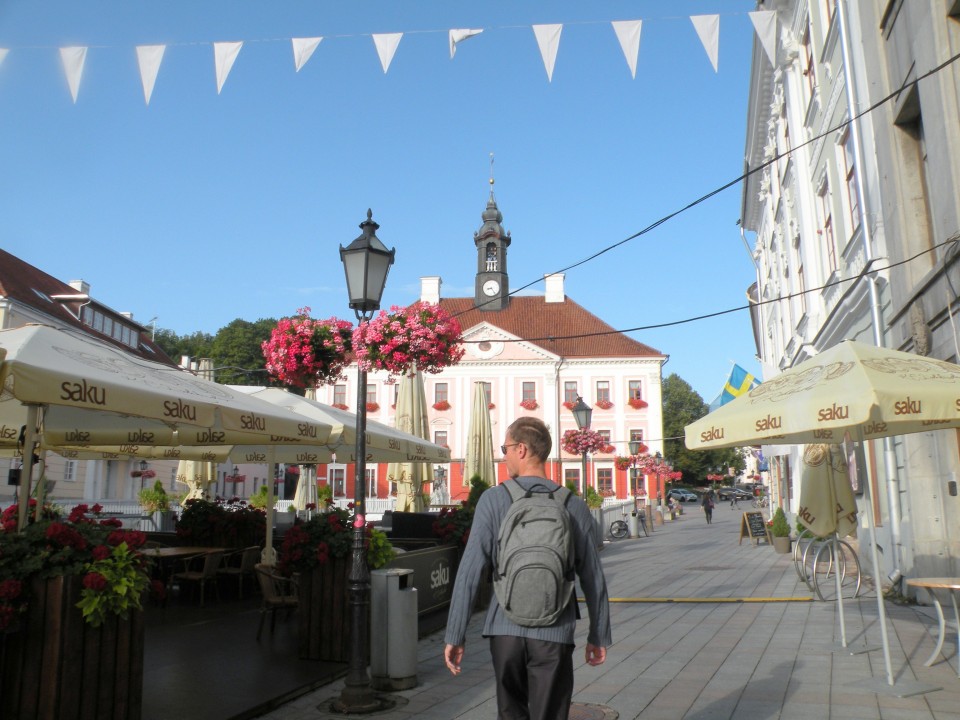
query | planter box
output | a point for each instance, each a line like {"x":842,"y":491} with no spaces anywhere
{"x":781,"y":544}
{"x":324,"y":612}
{"x":58,"y":666}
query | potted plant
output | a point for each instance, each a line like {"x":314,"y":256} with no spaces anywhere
{"x":780,"y":530}
{"x":155,"y":501}
{"x":69,"y":582}
{"x":319,"y":552}
{"x":222,"y":523}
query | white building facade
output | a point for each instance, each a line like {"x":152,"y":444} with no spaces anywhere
{"x":853,"y":194}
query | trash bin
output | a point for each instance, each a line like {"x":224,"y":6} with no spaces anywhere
{"x":393,"y":629}
{"x":633,"y":525}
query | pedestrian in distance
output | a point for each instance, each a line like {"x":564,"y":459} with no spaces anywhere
{"x":707,"y":503}
{"x":533,"y":663}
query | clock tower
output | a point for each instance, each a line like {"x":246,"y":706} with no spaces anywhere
{"x":492,"y":289}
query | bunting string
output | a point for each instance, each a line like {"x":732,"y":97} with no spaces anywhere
{"x":386,"y":45}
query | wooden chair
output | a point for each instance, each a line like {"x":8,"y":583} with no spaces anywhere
{"x":248,"y":558}
{"x":279,"y":593}
{"x":207,"y":573}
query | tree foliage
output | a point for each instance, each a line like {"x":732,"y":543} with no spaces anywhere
{"x":682,"y":405}
{"x":235,"y":350}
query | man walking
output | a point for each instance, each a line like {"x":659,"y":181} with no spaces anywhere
{"x":533,"y":665}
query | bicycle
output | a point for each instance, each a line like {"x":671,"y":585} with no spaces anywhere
{"x":619,"y":528}
{"x":760,"y":502}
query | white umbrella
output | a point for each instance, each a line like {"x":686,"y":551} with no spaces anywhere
{"x":384,"y":443}
{"x":48,"y":367}
{"x":827,"y":504}
{"x":866,"y":391}
{"x":411,"y":418}
{"x":479,"y":454}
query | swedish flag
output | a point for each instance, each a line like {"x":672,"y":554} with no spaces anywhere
{"x":740,"y":382}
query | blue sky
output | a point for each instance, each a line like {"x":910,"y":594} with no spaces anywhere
{"x":201,"y":208}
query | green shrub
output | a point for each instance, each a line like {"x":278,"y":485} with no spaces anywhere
{"x":593,"y":499}
{"x":780,"y":526}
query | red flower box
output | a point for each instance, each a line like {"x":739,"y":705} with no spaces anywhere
{"x":603,"y":404}
{"x":529,"y":404}
{"x":442,"y":405}
{"x":372,"y":407}
{"x":637,"y":403}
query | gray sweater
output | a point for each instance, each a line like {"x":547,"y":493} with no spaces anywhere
{"x":479,"y":555}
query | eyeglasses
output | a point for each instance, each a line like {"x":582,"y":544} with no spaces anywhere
{"x":503,"y":448}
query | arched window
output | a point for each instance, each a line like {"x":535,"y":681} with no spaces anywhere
{"x":492,"y":257}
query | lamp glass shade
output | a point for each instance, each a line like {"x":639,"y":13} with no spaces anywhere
{"x":582,"y":414}
{"x":366,"y":262}
{"x":634,"y":447}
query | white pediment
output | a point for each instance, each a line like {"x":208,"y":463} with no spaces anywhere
{"x":486,"y":341}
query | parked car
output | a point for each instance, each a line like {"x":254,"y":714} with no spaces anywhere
{"x":727,"y":493}
{"x":683,"y":495}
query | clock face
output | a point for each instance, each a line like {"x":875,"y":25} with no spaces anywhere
{"x":491,"y":287}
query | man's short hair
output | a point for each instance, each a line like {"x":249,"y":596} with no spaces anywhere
{"x":533,"y":433}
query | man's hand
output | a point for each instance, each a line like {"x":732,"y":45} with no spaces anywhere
{"x":452,"y":655}
{"x":595,"y":655}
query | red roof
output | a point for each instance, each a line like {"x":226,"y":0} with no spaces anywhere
{"x":564,"y":328}
{"x":24,"y":284}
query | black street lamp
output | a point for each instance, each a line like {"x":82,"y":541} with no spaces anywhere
{"x":581,"y":415}
{"x":366,"y":262}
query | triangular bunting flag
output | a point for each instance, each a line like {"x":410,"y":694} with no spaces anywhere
{"x":3,"y":54}
{"x":628,"y":33}
{"x":708,"y":28}
{"x":548,"y":38}
{"x":225,"y":54}
{"x":149,"y":58}
{"x":73,"y":59}
{"x":386,"y":47}
{"x":765,"y":23}
{"x":459,"y":35}
{"x":302,"y":50}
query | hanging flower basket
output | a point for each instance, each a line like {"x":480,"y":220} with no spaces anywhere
{"x":422,"y":335}
{"x":637,"y":403}
{"x":621,"y":462}
{"x":442,"y":405}
{"x":603,"y":404}
{"x":302,"y":351}
{"x":529,"y":404}
{"x":577,"y":442}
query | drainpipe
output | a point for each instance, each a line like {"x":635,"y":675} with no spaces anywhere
{"x":556,"y":443}
{"x":889,"y":457}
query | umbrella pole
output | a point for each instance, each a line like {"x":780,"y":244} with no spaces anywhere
{"x":269,"y":556}
{"x":837,"y":550}
{"x":882,"y":613}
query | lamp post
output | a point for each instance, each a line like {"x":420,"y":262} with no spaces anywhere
{"x":439,"y":476}
{"x":366,"y":262}
{"x":581,"y":415}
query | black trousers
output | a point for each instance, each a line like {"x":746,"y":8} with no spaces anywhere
{"x":534,"y":678}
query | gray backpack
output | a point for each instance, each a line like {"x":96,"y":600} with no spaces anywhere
{"x":534,"y":571}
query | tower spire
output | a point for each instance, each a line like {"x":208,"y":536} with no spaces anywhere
{"x":491,"y":178}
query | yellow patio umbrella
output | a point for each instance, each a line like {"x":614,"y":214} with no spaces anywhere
{"x":827,"y":505}
{"x":196,"y":475}
{"x":850,"y":390}
{"x":412,"y":419}
{"x":478,"y":458}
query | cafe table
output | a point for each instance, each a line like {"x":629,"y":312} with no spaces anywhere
{"x":950,"y":586}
